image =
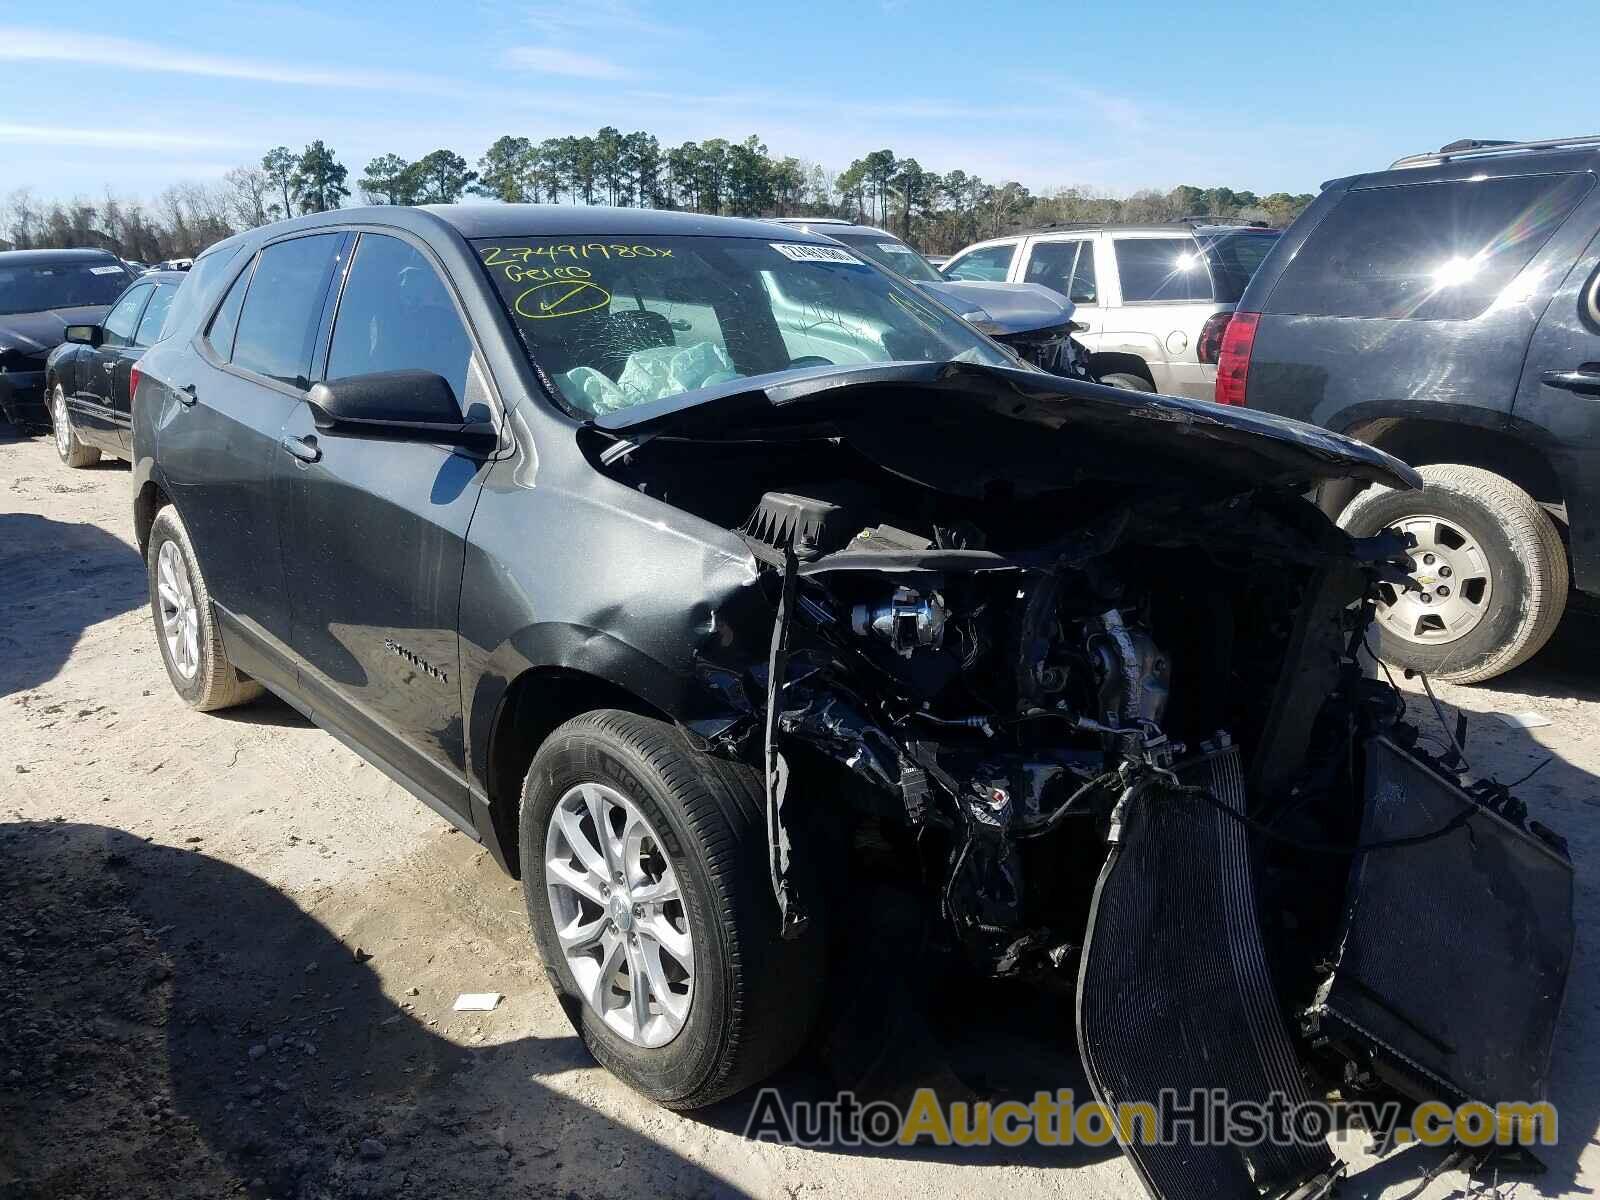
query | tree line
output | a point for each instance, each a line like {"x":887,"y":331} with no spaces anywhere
{"x":939,"y":213}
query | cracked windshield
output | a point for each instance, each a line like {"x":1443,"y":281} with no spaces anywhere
{"x":621,"y":324}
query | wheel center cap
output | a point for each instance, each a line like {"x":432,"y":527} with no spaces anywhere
{"x":621,"y":911}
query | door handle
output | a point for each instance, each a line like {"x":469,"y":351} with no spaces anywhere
{"x":1584,"y":380}
{"x":305,"y":449}
{"x":108,"y":367}
{"x":186,"y":394}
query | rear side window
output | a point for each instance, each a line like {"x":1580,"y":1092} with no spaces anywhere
{"x":990,"y":264}
{"x":1234,"y":258}
{"x":1429,"y":251}
{"x":283,"y":308}
{"x":1162,"y":269}
{"x":396,"y":315}
{"x":155,"y":315}
{"x":1068,"y":267}
{"x":198,"y":289}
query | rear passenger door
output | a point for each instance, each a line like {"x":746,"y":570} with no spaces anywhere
{"x":374,"y":529}
{"x":222,"y":443}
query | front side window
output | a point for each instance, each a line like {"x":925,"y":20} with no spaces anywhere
{"x":1439,"y":251}
{"x":1068,"y":267}
{"x":1162,"y":269}
{"x":621,"y":324}
{"x":37,"y":287}
{"x":155,"y":315}
{"x":123,"y":318}
{"x":283,"y":308}
{"x":395,"y":315}
{"x":987,"y":264}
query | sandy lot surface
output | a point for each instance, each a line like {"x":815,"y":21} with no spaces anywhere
{"x":229,"y":948}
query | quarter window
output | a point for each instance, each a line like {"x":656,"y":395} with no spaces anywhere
{"x":1439,"y":251}
{"x":226,"y":321}
{"x":987,"y":264}
{"x":396,"y":315}
{"x":155,"y":315}
{"x":283,"y":308}
{"x":123,"y":318}
{"x":1162,"y":269}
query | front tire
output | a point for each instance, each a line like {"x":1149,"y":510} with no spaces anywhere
{"x":644,"y":858}
{"x":1492,"y":573}
{"x":73,"y":452}
{"x":186,"y":623}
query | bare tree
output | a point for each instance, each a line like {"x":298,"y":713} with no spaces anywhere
{"x":247,"y":189}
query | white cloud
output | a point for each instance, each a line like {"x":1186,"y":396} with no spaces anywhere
{"x":112,"y":138}
{"x":607,"y":18}
{"x":127,"y":54}
{"x":551,"y":60}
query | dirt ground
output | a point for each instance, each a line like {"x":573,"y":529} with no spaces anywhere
{"x":229,"y":948}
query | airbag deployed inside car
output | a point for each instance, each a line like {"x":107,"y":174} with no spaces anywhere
{"x":651,"y":374}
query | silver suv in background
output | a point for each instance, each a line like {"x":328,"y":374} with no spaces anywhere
{"x":1152,"y":300}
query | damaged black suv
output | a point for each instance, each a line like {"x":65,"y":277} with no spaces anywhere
{"x":700,"y":568}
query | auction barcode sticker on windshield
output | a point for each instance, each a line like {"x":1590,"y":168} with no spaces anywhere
{"x":823,"y":254}
{"x":105,"y":270}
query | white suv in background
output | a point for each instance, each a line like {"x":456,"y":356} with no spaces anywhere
{"x":1153,"y":299}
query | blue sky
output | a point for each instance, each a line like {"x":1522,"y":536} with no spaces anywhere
{"x":1114,"y":96}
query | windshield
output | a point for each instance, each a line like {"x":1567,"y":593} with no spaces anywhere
{"x":38,"y":286}
{"x":892,"y":253}
{"x":617,"y":325}
{"x":1234,"y":258}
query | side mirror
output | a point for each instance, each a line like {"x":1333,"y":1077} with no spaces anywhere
{"x":85,"y":335}
{"x":413,"y":405}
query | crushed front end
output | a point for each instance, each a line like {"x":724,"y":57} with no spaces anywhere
{"x":1114,"y":709}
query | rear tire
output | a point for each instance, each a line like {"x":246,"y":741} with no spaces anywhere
{"x":1128,"y":382}
{"x":186,"y":623}
{"x":752,"y":997}
{"x":72,"y":452}
{"x":1525,"y":577}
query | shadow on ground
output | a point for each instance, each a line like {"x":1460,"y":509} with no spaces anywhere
{"x":56,"y":580}
{"x":175,"y":1027}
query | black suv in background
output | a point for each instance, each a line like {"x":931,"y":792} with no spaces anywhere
{"x":1447,"y":310}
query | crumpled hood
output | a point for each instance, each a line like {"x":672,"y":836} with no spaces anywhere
{"x":39,"y":332}
{"x":1009,"y":308}
{"x":965,"y":428}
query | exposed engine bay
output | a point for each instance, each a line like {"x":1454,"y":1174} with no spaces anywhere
{"x":1129,"y":743}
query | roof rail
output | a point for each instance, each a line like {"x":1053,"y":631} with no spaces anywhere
{"x":812,"y":220}
{"x":1484,"y":148}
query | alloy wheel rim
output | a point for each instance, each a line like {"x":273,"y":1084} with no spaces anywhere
{"x":58,"y":409}
{"x":180,"y":616}
{"x":619,"y":915}
{"x":1453,"y":584}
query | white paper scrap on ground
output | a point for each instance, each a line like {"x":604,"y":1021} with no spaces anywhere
{"x":1524,"y":720}
{"x":477,"y":1001}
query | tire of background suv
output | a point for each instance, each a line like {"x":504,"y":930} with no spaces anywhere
{"x":73,"y":452}
{"x":754,"y":996}
{"x":1132,"y":383}
{"x":214,"y":682}
{"x":1527,"y":564}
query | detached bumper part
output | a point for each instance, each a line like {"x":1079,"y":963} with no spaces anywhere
{"x":1174,"y":994}
{"x":1454,"y":953}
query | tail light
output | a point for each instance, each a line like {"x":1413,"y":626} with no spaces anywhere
{"x":1209,"y":346}
{"x":1233,"y":359}
{"x":134,"y":375}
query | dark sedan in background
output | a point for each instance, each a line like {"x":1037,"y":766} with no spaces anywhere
{"x":88,"y":381}
{"x":41,"y":293}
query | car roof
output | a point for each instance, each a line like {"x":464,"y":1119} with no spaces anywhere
{"x":18,"y":258}
{"x":1479,"y":159}
{"x":539,"y":220}
{"x":162,"y":277}
{"x":832,"y":225}
{"x":1173,"y":227}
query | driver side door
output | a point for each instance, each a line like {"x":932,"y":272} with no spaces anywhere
{"x":374,"y":531}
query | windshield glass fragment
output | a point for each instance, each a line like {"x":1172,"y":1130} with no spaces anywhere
{"x":616,"y":325}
